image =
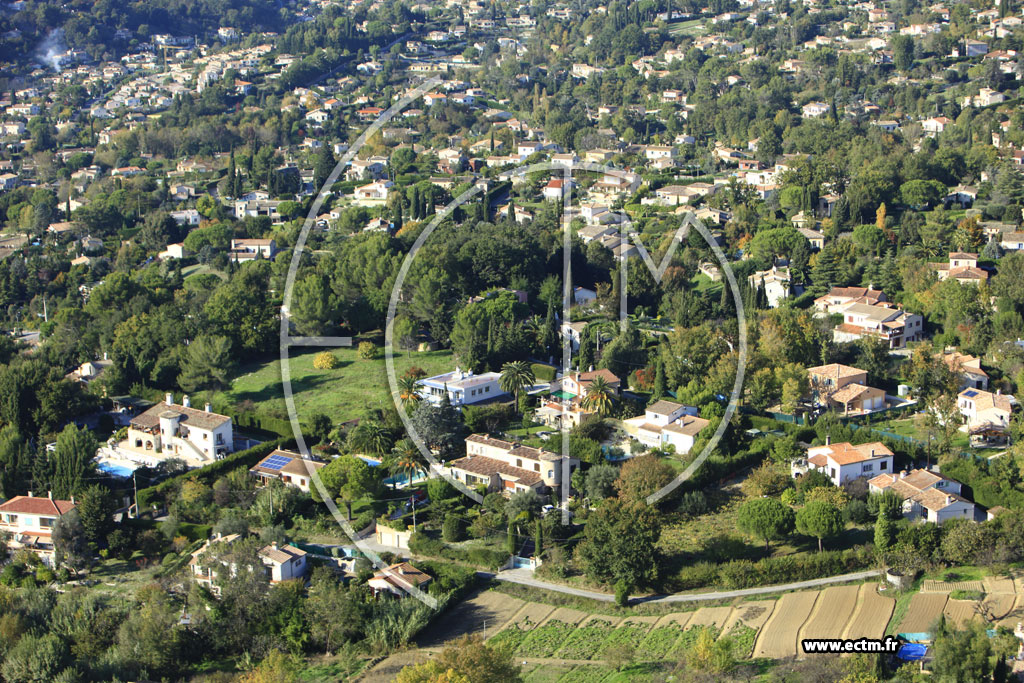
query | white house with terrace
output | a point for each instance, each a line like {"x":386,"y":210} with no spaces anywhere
{"x":926,"y":495}
{"x":28,"y":521}
{"x":510,"y":467}
{"x":172,"y":430}
{"x":462,"y":387}
{"x":666,"y":423}
{"x":844,"y":462}
{"x":984,"y":409}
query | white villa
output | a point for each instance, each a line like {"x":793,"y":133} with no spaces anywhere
{"x":666,"y":423}
{"x":843,"y":462}
{"x":925,"y":495}
{"x":288,"y":467}
{"x":890,"y":324}
{"x":983,"y":409}
{"x":280,"y":562}
{"x":181,"y":431}
{"x":509,"y":467}
{"x":29,"y":520}
{"x":462,"y":387}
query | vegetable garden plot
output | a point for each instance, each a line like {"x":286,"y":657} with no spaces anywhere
{"x":872,"y":614}
{"x":832,"y":612}
{"x":777,"y":638}
{"x":924,"y":610}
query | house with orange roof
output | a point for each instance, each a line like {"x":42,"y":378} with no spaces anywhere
{"x":844,"y":462}
{"x":398,"y":580}
{"x":984,"y":410}
{"x":29,"y":521}
{"x":839,"y":298}
{"x":967,"y":368}
{"x":845,"y":388}
{"x":962,"y":267}
{"x":926,"y":495}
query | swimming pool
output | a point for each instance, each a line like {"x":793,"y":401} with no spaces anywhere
{"x":562,"y":394}
{"x":369,"y":461}
{"x":115,"y":470}
{"x":401,"y":480}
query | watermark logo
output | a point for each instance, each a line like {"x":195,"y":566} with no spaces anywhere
{"x":437,"y":468}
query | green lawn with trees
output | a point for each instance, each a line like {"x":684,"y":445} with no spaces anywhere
{"x":342,"y":393}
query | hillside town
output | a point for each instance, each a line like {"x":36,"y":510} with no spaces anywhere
{"x":500,"y":341}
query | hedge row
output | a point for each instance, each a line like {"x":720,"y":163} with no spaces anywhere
{"x":422,"y":544}
{"x":207,"y":474}
{"x":253,"y":420}
{"x":987,"y":489}
{"x":543,"y":371}
{"x":772,"y":570}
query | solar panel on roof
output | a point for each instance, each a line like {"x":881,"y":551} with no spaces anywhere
{"x":275,"y":462}
{"x":970,"y":394}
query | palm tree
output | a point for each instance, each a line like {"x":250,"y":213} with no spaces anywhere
{"x":407,"y":385}
{"x":599,"y":396}
{"x":515,"y":377}
{"x":406,"y":460}
{"x":370,"y":437}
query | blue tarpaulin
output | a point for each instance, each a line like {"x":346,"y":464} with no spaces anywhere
{"x":911,"y":652}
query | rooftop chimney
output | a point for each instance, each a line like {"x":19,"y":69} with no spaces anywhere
{"x":169,"y":398}
{"x":29,"y":494}
{"x":949,"y":500}
{"x":274,"y":545}
{"x":828,"y":439}
{"x":903,"y":474}
{"x":185,"y":401}
{"x":49,"y":494}
{"x":208,"y":407}
{"x":72,"y":500}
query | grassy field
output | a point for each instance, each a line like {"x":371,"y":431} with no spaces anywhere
{"x":914,"y":428}
{"x":705,"y":285}
{"x":692,"y":27}
{"x":342,"y":393}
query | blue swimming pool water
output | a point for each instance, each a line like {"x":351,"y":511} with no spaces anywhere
{"x":116,"y":470}
{"x":403,"y":479}
{"x":369,"y":461}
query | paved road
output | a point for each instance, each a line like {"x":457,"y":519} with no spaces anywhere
{"x":525,"y":577}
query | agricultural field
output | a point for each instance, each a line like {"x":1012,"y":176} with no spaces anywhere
{"x":779,"y":635}
{"x":832,"y":613}
{"x":759,"y":628}
{"x":872,"y":614}
{"x":924,"y":610}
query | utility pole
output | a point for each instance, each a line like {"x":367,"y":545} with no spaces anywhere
{"x":135,"y":485}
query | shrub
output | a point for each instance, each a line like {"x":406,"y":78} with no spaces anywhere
{"x":621,"y":593}
{"x":367,"y":350}
{"x":325,"y":360}
{"x":856,"y":511}
{"x":453,"y":530}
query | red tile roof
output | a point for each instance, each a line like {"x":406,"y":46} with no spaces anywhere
{"x":29,"y":505}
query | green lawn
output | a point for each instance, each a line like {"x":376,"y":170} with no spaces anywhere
{"x":692,"y":27}
{"x":342,"y":393}
{"x":705,"y":285}
{"x":914,"y":428}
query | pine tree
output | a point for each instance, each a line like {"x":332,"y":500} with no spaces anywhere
{"x":549,"y":334}
{"x":659,"y":380}
{"x":232,"y":174}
